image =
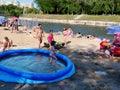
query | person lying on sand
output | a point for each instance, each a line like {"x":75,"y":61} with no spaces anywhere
{"x":6,"y":43}
{"x":78,"y":35}
{"x":90,"y":36}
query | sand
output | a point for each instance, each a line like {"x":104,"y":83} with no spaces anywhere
{"x":22,"y":40}
{"x":86,"y":64}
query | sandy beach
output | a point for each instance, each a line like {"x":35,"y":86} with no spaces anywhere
{"x":86,"y":64}
{"x":22,"y":40}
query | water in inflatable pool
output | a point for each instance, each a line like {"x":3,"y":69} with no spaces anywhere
{"x":31,"y":63}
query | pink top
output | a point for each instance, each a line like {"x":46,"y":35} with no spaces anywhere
{"x":50,"y":38}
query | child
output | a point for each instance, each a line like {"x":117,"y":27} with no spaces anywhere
{"x":108,"y":53}
{"x":50,"y":37}
{"x":52,"y":52}
{"x":104,"y":44}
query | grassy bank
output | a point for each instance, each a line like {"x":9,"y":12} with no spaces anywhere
{"x":110,"y":18}
{"x":49,"y":16}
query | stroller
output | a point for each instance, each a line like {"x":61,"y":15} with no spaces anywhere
{"x":115,"y":30}
{"x":58,"y":45}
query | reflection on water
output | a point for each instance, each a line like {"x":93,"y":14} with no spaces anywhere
{"x":97,"y":31}
{"x":33,"y":63}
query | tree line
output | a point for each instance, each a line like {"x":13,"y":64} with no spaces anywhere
{"x":95,"y":7}
{"x":11,"y":10}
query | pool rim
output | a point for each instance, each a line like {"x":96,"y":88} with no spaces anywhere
{"x":68,"y":70}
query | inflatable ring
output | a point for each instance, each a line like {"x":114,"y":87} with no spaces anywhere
{"x":10,"y":75}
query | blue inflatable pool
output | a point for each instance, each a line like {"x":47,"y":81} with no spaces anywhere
{"x":11,"y":75}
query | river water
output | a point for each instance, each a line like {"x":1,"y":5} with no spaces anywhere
{"x":85,"y":30}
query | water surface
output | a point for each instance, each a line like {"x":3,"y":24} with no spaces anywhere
{"x":85,"y":30}
{"x":31,"y":62}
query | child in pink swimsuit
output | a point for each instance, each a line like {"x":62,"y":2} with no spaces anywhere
{"x":52,"y":53}
{"x":50,"y":38}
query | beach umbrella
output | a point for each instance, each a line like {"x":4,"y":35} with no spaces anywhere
{"x":14,"y":18}
{"x":2,"y":17}
{"x":113,"y":30}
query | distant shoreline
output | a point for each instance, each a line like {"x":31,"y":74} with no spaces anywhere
{"x":75,"y":22}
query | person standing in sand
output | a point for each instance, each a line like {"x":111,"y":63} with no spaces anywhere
{"x":12,"y":26}
{"x":65,"y":35}
{"x":39,"y":34}
{"x":70,"y":32}
{"x":16,"y":25}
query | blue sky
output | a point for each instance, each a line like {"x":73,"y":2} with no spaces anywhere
{"x":21,"y":1}
{"x":25,"y":1}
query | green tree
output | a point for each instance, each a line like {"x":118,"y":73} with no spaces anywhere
{"x":96,"y":7}
{"x":79,"y":6}
{"x":118,"y":8}
{"x":58,"y":6}
{"x":45,"y":5}
{"x":32,"y":10}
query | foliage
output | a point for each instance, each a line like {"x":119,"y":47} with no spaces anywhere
{"x":32,"y":10}
{"x":11,"y":10}
{"x":94,"y":7}
{"x":98,"y":7}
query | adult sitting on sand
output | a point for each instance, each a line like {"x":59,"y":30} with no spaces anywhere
{"x":6,"y":43}
{"x":116,"y":42}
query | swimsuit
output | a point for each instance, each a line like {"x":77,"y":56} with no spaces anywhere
{"x":50,"y":38}
{"x":52,"y":51}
